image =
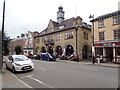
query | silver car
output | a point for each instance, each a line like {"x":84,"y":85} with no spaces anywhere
{"x":19,"y":63}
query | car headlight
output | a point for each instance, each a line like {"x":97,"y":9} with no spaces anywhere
{"x":18,"y":64}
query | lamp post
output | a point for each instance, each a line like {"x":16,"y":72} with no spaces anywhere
{"x":92,"y":17}
{"x":1,"y":63}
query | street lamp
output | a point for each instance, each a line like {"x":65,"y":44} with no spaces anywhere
{"x":1,"y":63}
{"x":92,"y":17}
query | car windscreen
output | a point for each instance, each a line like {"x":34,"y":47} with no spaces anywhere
{"x":20,"y":58}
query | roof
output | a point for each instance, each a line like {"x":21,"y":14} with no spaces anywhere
{"x":116,"y":13}
{"x":67,"y":24}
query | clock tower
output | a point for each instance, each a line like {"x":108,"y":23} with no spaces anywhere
{"x":60,"y":15}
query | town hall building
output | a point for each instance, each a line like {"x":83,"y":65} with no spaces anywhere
{"x":66,"y":36}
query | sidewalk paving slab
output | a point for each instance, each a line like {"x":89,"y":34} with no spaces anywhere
{"x":9,"y":80}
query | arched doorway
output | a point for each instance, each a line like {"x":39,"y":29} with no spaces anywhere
{"x":50,"y":50}
{"x":69,"y":50}
{"x":43,"y":50}
{"x":85,"y":52}
{"x":59,"y":50}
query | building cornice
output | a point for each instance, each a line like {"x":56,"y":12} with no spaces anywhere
{"x":106,"y":16}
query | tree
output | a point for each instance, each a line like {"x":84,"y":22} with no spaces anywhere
{"x":18,"y":49}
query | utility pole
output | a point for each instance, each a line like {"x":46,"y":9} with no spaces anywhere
{"x":3,"y":21}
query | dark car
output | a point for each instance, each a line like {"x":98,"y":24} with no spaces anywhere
{"x":36,"y":57}
{"x":48,"y":57}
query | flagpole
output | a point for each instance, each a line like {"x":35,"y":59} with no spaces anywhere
{"x":3,"y":21}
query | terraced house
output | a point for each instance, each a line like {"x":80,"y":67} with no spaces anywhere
{"x":107,"y":36}
{"x":70,"y":36}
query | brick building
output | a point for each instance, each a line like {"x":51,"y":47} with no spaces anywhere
{"x":26,"y":41}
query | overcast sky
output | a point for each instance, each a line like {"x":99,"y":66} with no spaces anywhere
{"x":33,"y":15}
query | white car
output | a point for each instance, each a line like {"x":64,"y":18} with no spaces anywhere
{"x":19,"y":63}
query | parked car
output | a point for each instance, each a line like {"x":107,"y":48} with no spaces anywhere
{"x":36,"y":57}
{"x":29,"y":56}
{"x":19,"y":63}
{"x":73,"y":57}
{"x":63,"y":57}
{"x":48,"y":57}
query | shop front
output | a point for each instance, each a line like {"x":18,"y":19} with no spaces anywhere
{"x":109,"y":51}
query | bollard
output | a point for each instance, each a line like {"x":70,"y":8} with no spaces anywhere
{"x":98,"y":60}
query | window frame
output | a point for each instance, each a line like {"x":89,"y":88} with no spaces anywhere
{"x":117,"y":34}
{"x":85,"y":35}
{"x":69,"y":35}
{"x":116,"y":20}
{"x":101,"y":24}
{"x":101,"y":37}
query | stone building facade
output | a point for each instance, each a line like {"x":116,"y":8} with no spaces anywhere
{"x":70,"y":36}
{"x":107,"y":36}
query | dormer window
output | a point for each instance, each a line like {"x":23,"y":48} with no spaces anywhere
{"x":50,"y":30}
{"x":61,"y":27}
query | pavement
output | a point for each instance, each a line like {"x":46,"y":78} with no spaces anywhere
{"x":9,"y":80}
{"x":87,"y":62}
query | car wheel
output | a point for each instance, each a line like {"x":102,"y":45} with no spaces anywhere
{"x":13,"y":70}
{"x":6,"y":66}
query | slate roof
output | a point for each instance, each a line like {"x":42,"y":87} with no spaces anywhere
{"x":68,"y":24}
{"x":116,"y":13}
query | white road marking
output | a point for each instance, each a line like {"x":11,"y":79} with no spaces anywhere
{"x":41,"y":82}
{"x":37,"y":80}
{"x":27,"y":76}
{"x":22,"y":82}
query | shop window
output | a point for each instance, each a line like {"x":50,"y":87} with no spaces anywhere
{"x":101,"y":36}
{"x":101,"y":24}
{"x":117,"y":34}
{"x":118,"y":51}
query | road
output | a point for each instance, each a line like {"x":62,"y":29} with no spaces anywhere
{"x":48,"y":74}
